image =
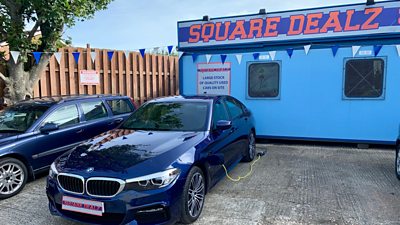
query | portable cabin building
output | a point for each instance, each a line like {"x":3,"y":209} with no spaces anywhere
{"x":329,"y":73}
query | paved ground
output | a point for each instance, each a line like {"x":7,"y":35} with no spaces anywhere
{"x":291,"y":185}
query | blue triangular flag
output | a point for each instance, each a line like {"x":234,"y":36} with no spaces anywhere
{"x":170,"y":49}
{"x":377,"y":49}
{"x":110,"y":55}
{"x":256,"y":56}
{"x":142,"y":51}
{"x":194,"y":57}
{"x":76,"y":56}
{"x":37,"y":56}
{"x":335,"y":49}
{"x":290,"y":52}
{"x":223,"y":58}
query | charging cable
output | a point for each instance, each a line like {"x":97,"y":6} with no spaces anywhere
{"x":248,"y":174}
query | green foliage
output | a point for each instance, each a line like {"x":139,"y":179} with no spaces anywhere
{"x":48,"y":16}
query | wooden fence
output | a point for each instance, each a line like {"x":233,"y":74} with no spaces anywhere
{"x":141,"y":78}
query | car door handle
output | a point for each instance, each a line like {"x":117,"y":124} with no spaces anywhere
{"x":116,"y":121}
{"x":79,"y":131}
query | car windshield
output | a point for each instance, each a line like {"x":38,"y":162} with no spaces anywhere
{"x":20,"y":117}
{"x":169,"y":116}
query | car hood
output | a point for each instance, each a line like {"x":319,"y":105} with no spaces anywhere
{"x":123,"y":153}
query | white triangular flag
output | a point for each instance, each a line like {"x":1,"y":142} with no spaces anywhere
{"x":127,"y":53}
{"x":15,"y":55}
{"x":93,"y":56}
{"x":156,"y":49}
{"x":307,"y":48}
{"x":272,"y":54}
{"x":239,"y":58}
{"x":355,"y":50}
{"x":58,"y":55}
{"x":208,"y":57}
{"x":398,"y":49}
{"x":180,"y":55}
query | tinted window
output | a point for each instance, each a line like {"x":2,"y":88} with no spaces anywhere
{"x":263,"y":80}
{"x":64,"y":116}
{"x":19,"y":118}
{"x":364,"y":78}
{"x":94,"y":110}
{"x":234,"y":107}
{"x":219,"y":113}
{"x":120,"y":106}
{"x":175,"y":116}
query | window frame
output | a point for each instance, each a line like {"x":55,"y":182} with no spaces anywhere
{"x":382,"y":97}
{"x":278,"y":97}
{"x":83,"y":117}
{"x":80,"y":121}
{"x":129,"y":103}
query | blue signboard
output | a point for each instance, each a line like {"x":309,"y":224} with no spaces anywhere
{"x":334,"y":22}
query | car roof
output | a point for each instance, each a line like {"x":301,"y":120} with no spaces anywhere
{"x":51,"y":100}
{"x":181,"y":98}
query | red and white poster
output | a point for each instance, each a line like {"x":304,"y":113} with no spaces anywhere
{"x":214,"y":78}
{"x":89,"y":77}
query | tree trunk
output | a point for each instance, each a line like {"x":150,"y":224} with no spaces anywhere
{"x":20,"y":83}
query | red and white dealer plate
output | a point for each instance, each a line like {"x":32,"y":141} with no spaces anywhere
{"x":82,"y":206}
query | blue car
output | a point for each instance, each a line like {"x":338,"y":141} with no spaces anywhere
{"x":157,"y":166}
{"x":34,"y":133}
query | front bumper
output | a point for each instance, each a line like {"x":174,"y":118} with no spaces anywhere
{"x":150,"y":207}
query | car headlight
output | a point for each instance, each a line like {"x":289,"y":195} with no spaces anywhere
{"x":153,"y":181}
{"x":53,"y":170}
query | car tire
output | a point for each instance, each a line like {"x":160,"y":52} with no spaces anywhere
{"x":13,"y":177}
{"x":251,"y":148}
{"x":397,"y":161}
{"x":193,"y":196}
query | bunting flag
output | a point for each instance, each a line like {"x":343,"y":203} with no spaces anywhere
{"x":194,"y":57}
{"x":170,"y":49}
{"x":398,"y":49}
{"x":37,"y":56}
{"x":127,"y":54}
{"x":142,"y":51}
{"x":208,"y":57}
{"x":307,"y":48}
{"x":223,"y":58}
{"x":355,"y":50}
{"x":377,"y":49}
{"x":256,"y":56}
{"x":110,"y":55}
{"x":239,"y":58}
{"x":156,"y":49}
{"x":180,"y":54}
{"x":58,"y":55}
{"x":76,"y":56}
{"x":335,"y":49}
{"x":93,"y":56}
{"x":15,"y":55}
{"x":272,"y":54}
{"x":290,"y":52}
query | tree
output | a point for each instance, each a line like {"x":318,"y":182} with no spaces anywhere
{"x":50,"y":17}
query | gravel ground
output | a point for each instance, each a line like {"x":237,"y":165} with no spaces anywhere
{"x":291,"y":184}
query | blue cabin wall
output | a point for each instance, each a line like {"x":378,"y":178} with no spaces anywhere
{"x":311,"y":103}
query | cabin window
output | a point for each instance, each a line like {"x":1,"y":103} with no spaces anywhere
{"x":364,"y":78}
{"x":263,"y":80}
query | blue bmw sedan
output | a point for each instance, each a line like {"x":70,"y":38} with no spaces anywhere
{"x":157,"y":166}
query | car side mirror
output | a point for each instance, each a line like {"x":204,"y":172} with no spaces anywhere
{"x":48,"y":127}
{"x":224,"y":124}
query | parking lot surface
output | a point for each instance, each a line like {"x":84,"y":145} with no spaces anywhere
{"x":291,"y":184}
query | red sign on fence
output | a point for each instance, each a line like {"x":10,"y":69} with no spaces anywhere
{"x":89,"y":77}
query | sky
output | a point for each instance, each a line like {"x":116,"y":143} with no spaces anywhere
{"x":136,"y":24}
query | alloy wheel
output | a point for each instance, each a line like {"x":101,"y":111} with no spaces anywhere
{"x":196,"y":195}
{"x":11,"y":178}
